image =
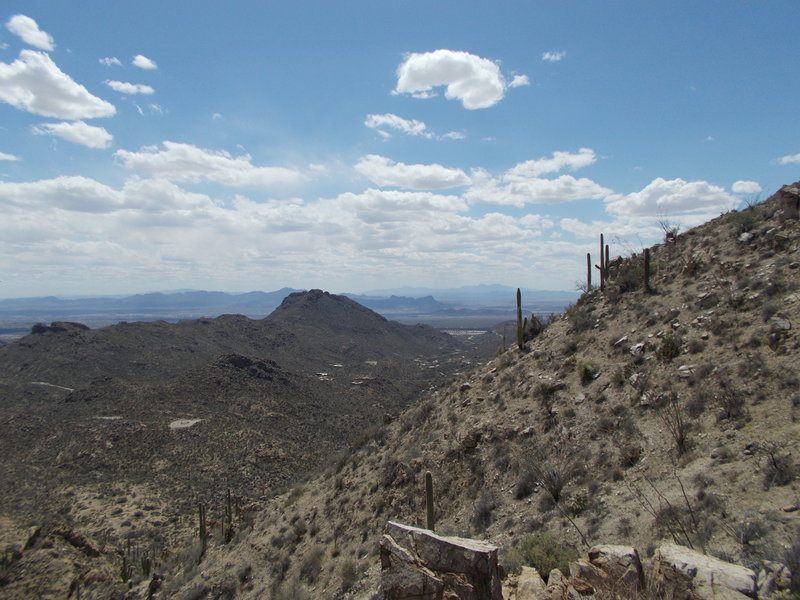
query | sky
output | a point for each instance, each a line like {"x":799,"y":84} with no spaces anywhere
{"x":361,"y":145}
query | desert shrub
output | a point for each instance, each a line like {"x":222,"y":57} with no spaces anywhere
{"x":544,"y":553}
{"x":511,"y":558}
{"x":697,"y":402}
{"x":730,"y":400}
{"x":670,"y":347}
{"x":580,"y":318}
{"x":791,"y":559}
{"x":750,"y":530}
{"x":673,"y":416}
{"x":525,"y":484}
{"x":349,"y":573}
{"x":482,"y":514}
{"x":293,"y":590}
{"x":695,"y":346}
{"x":312,"y":565}
{"x":629,"y":455}
{"x":586,"y":373}
{"x":779,"y":468}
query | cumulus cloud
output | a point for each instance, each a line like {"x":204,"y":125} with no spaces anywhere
{"x":519,"y":80}
{"x":77,"y":132}
{"x":746,"y":187}
{"x":667,"y":197}
{"x":74,"y":193}
{"x":789,"y":158}
{"x":523,"y":184}
{"x":110,"y":60}
{"x":558,"y":162}
{"x":129,"y":88}
{"x":143,"y":62}
{"x":520,"y":191}
{"x":4,"y":156}
{"x":383,"y":171}
{"x":185,"y":162}
{"x":34,"y":83}
{"x":27,"y":29}
{"x":553,"y":55}
{"x":476,"y":82}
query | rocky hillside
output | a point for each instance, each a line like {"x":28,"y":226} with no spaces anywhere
{"x":645,"y":414}
{"x":123,"y":430}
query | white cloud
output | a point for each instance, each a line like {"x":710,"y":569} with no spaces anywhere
{"x":534,"y":190}
{"x":668,"y":197}
{"x":29,"y":31}
{"x":4,"y":156}
{"x":34,"y":83}
{"x":129,"y":88}
{"x":519,"y":80}
{"x":560,"y":161}
{"x":475,"y":81}
{"x":385,"y":172}
{"x":79,"y":194}
{"x":77,"y":132}
{"x":185,"y":162}
{"x":523,"y":185}
{"x":553,"y":55}
{"x":110,"y":60}
{"x":143,"y":62}
{"x":409,"y":127}
{"x":746,"y":187}
{"x":789,"y":158}
{"x":454,"y":135}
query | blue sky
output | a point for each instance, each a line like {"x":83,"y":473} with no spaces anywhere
{"x":362,"y":145}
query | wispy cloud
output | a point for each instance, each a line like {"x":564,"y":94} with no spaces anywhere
{"x":129,"y":88}
{"x":110,"y":60}
{"x":4,"y":156}
{"x":789,"y":158}
{"x":27,"y":29}
{"x":35,"y":84}
{"x":143,"y":62}
{"x":76,"y":132}
{"x":553,"y":55}
{"x":475,"y":81}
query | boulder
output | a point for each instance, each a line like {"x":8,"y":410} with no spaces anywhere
{"x":417,"y":561}
{"x":683,"y":574}
{"x":530,"y":585}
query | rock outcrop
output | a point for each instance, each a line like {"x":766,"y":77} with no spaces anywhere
{"x":418,"y":564}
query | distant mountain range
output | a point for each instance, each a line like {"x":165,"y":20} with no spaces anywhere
{"x":472,"y":306}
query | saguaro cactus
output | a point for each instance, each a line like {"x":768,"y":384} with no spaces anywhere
{"x":602,"y":265}
{"x":430,"y":519}
{"x":520,"y":328}
{"x":588,"y":271}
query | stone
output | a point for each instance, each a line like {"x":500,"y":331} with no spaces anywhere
{"x":774,"y":576}
{"x":530,"y":585}
{"x":746,"y":237}
{"x":684,"y":573}
{"x":637,"y":349}
{"x":779,"y":324}
{"x":467,"y":568}
{"x":620,"y":563}
{"x":403,"y":577}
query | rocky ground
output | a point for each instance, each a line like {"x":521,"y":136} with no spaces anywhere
{"x":643,"y":415}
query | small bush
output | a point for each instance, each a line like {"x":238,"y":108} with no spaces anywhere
{"x":544,"y":553}
{"x":482,"y":515}
{"x":587,"y":373}
{"x":312,"y":565}
{"x":670,"y":347}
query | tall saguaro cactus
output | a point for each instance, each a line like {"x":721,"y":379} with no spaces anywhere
{"x":602,"y":265}
{"x":520,"y":327}
{"x":588,"y":271}
{"x":430,"y":519}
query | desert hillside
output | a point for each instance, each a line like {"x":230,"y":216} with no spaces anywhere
{"x":653,"y":410}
